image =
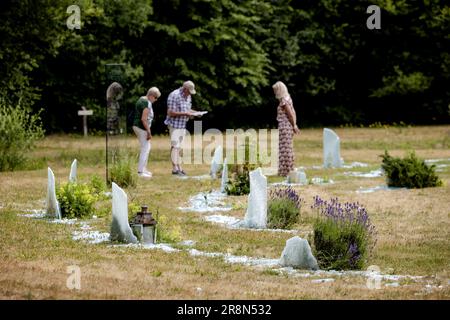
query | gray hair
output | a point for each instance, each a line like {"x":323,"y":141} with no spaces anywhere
{"x":154,"y":91}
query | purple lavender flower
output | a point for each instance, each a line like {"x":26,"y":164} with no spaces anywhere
{"x":286,"y":193}
{"x":355,"y":230}
{"x":354,"y":254}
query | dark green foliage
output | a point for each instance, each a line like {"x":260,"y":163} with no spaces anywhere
{"x":335,"y":68}
{"x":409,"y":172}
{"x":239,"y":183}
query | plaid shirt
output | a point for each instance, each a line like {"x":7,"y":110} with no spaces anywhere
{"x":178,"y":103}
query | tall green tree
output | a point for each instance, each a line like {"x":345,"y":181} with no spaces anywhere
{"x":28,"y":36}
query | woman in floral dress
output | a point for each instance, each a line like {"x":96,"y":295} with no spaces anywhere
{"x":287,"y":126}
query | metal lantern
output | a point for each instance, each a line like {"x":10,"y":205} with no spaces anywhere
{"x":143,"y":225}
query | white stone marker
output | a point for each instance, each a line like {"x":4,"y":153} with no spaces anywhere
{"x":73,"y":171}
{"x":297,"y":176}
{"x":224,"y":182}
{"x":297,"y":254}
{"x":120,"y":228}
{"x":256,"y":215}
{"x":52,"y":205}
{"x":331,"y":149}
{"x":216,"y":161}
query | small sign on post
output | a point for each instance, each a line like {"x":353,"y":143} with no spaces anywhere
{"x":85,"y":113}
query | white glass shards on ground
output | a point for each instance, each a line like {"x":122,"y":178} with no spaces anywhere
{"x":35,"y":213}
{"x":91,"y":236}
{"x":371,"y":174}
{"x":235,"y":223}
{"x":207,"y":202}
{"x":377,"y":188}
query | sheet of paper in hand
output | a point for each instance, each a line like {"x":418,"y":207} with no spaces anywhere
{"x":199,"y":113}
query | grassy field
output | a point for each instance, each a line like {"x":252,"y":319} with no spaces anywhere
{"x":413,"y":227}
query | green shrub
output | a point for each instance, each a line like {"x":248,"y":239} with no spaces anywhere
{"x":343,"y":235}
{"x":98,"y":184}
{"x":167,"y":230}
{"x":19,"y":130}
{"x":76,"y":200}
{"x":410,"y":172}
{"x":239,"y":183}
{"x":283,"y":208}
{"x":122,"y":174}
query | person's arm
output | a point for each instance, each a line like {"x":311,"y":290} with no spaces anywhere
{"x":145,"y":123}
{"x":290,"y":111}
{"x":171,"y":107}
{"x":171,"y":113}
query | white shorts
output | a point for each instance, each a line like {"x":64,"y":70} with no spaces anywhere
{"x":176,"y":137}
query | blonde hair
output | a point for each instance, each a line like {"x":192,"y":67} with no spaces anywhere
{"x":280,"y":90}
{"x":154,"y":91}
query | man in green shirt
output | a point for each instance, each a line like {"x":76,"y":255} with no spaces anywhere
{"x":142,"y":123}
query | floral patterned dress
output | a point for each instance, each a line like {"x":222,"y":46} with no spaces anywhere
{"x":285,"y":135}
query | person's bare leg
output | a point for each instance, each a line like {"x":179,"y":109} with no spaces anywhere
{"x":179,"y":161}
{"x":174,"y":158}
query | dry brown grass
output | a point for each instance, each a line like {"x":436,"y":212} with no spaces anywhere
{"x":413,"y":228}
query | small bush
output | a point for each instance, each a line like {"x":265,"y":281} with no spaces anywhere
{"x":76,"y":200}
{"x":410,"y":172}
{"x":164,"y":233}
{"x":122,"y":174}
{"x":19,"y":130}
{"x":98,"y":184}
{"x":343,"y":235}
{"x":284,"y":207}
{"x":239,"y":183}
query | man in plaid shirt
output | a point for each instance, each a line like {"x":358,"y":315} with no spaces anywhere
{"x":179,"y":111}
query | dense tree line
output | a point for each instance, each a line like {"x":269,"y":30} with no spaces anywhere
{"x":338,"y":71}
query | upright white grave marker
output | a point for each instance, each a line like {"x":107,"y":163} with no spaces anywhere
{"x":256,"y":215}
{"x":216,"y":161}
{"x":331,"y":149}
{"x":73,"y":171}
{"x":52,"y":205}
{"x":297,"y":176}
{"x":120,"y":229}
{"x":224,"y":176}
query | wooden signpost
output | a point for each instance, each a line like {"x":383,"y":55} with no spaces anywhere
{"x":85,"y":113}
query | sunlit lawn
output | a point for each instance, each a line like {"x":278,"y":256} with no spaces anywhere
{"x":413,"y":226}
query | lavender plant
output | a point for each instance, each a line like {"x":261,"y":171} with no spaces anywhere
{"x":284,"y":207}
{"x":343,"y":236}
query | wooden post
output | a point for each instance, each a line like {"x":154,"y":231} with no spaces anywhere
{"x":85,"y":113}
